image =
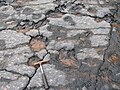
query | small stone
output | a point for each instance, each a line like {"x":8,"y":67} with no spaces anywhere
{"x":36,"y":44}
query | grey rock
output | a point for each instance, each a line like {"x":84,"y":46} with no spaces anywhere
{"x":105,"y":87}
{"x":47,"y":57}
{"x":84,"y":88}
{"x":27,"y":11}
{"x":33,"y":32}
{"x":73,"y":33}
{"x":88,"y":53}
{"x":101,"y":31}
{"x":57,"y":45}
{"x":101,"y":12}
{"x":87,"y":24}
{"x":54,"y":77}
{"x":2,"y":25}
{"x":11,"y":23}
{"x":9,"y":10}
{"x":37,"y":17}
{"x":99,"y":40}
{"x":53,"y":51}
{"x":8,"y":75}
{"x":10,"y":81}
{"x":17,"y":84}
{"x":22,"y":17}
{"x":41,"y":8}
{"x":12,"y":38}
{"x":22,"y":69}
{"x":40,"y":1}
{"x":15,"y":59}
{"x":3,"y":16}
{"x":43,"y":31}
{"x":41,"y":53}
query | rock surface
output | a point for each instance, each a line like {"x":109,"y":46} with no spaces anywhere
{"x":79,"y":38}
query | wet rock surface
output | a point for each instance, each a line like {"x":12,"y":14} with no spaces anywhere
{"x":80,"y":38}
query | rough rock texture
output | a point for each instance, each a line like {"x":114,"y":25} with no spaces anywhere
{"x":80,"y":38}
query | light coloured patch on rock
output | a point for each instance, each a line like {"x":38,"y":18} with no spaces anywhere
{"x":54,"y":77}
{"x":57,"y":45}
{"x":101,"y":31}
{"x":12,"y":38}
{"x":83,"y":22}
{"x":99,"y":40}
{"x":73,"y":33}
{"x":88,"y":53}
{"x":33,"y":32}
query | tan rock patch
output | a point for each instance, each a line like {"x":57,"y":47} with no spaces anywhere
{"x":23,"y":30}
{"x":69,"y":62}
{"x":37,"y":44}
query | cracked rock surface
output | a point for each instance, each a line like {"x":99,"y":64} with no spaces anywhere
{"x":79,"y":38}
